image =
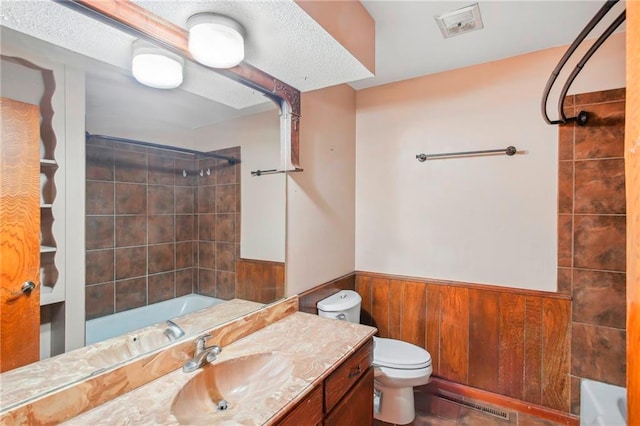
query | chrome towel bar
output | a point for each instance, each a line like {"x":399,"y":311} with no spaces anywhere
{"x":510,"y":150}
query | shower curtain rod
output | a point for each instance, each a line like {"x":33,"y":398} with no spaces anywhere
{"x":231,"y":160}
{"x":582,"y":116}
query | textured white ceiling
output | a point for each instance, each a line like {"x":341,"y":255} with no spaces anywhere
{"x":114,"y":96}
{"x":60,"y":26}
{"x":281,"y":40}
{"x":409,"y":44}
{"x":286,"y":43}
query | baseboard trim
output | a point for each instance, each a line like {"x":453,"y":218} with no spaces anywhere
{"x":442,"y":387}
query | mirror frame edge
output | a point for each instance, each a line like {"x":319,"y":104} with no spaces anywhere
{"x":141,"y":23}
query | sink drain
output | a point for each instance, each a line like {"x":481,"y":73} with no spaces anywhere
{"x":222,"y":405}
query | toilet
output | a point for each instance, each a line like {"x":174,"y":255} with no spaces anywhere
{"x":399,"y":366}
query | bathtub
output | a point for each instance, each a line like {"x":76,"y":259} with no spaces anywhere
{"x":602,"y":404}
{"x":124,"y":322}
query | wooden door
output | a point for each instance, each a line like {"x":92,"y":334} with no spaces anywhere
{"x":19,"y":234}
{"x":632,"y":178}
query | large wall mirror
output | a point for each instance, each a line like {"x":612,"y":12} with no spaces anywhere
{"x":172,"y":203}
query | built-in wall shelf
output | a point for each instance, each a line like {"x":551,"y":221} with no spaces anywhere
{"x":59,"y":91}
{"x":48,"y":296}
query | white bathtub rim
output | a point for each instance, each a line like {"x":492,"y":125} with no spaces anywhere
{"x":599,"y":404}
{"x":120,"y":323}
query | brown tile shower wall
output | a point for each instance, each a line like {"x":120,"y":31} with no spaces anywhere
{"x":592,"y":239}
{"x":143,"y":228}
{"x":218,"y":216}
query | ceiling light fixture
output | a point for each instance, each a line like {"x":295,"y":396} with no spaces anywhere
{"x":215,"y":40}
{"x":155,"y":67}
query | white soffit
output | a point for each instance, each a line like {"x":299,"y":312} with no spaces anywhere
{"x":117,"y":98}
{"x":282,"y":40}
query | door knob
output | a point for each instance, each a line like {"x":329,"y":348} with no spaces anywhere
{"x":26,"y":288}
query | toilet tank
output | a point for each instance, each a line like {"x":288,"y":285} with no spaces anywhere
{"x":344,"y":305}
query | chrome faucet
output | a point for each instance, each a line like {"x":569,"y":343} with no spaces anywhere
{"x":203,"y":354}
{"x":173,"y":331}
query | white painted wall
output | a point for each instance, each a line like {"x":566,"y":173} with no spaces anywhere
{"x":485,"y":220}
{"x":263,"y":214}
{"x":321,"y":200}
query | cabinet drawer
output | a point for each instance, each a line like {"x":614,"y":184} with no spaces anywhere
{"x":307,"y":412}
{"x":341,"y":380}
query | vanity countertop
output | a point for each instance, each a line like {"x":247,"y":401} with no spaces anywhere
{"x":314,"y":345}
{"x":31,"y":381}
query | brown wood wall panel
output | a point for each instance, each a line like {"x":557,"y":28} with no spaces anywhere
{"x":363,"y":287}
{"x":514,"y":342}
{"x":414,"y":310}
{"x":484,"y":334}
{"x":395,"y":309}
{"x":511,"y":366}
{"x":556,"y":348}
{"x":454,"y":334}
{"x":533,"y":350}
{"x":433,"y":326}
{"x":380,"y":304}
{"x":259,"y":281}
{"x":309,"y":299}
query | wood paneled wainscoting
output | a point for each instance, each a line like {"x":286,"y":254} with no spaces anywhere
{"x":508,"y":341}
{"x":259,"y":280}
{"x":502,"y":340}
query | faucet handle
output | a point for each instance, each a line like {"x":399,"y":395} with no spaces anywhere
{"x":200,"y":341}
{"x":214,"y":351}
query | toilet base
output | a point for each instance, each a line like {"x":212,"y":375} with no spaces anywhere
{"x":396,"y":406}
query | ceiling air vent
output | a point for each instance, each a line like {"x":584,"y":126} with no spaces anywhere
{"x":460,"y":21}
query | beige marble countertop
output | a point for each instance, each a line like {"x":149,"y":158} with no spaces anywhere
{"x":314,"y":345}
{"x":31,"y":381}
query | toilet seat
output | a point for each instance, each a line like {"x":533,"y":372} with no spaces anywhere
{"x":396,"y":354}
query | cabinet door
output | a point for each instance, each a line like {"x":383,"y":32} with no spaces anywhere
{"x":308,"y":412}
{"x":19,"y":234}
{"x":356,"y":408}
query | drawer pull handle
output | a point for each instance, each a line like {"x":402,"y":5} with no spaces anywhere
{"x":355,"y":372}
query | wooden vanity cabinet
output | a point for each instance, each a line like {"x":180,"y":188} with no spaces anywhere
{"x":344,"y":398}
{"x":356,"y":408}
{"x":308,"y":412}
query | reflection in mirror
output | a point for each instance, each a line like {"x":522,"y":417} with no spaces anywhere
{"x":172,"y":223}
{"x":181,"y":206}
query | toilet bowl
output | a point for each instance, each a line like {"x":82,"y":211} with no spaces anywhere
{"x":399,"y":366}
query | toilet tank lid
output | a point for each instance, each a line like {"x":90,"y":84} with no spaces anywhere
{"x":342,"y":300}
